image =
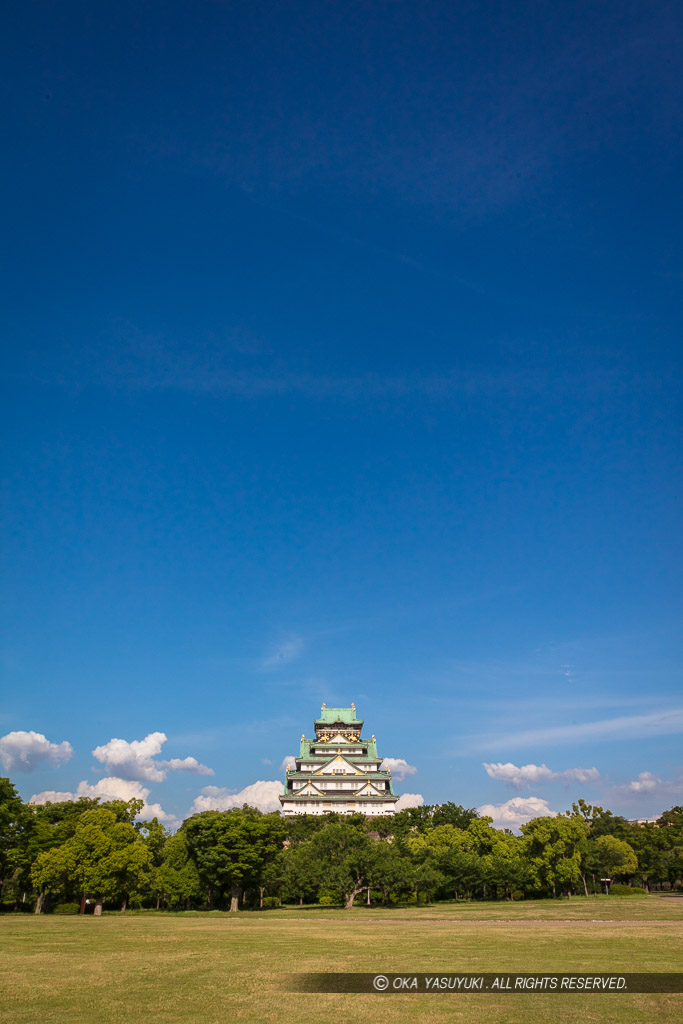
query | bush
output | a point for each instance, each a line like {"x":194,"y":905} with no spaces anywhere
{"x":270,"y":902}
{"x":327,"y":900}
{"x":66,"y":908}
{"x":626,"y":890}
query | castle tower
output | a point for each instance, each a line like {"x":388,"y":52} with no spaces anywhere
{"x":338,"y":770}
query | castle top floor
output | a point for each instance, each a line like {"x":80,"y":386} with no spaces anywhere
{"x":338,"y":722}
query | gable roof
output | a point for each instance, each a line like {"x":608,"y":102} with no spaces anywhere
{"x":340,"y":760}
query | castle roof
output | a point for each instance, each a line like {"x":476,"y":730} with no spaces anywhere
{"x":306,"y":744}
{"x":343,"y":716}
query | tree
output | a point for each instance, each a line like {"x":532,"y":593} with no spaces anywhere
{"x":127,"y":871}
{"x":673,"y":864}
{"x":674,"y":816}
{"x":650,"y":846}
{"x":505,"y":867}
{"x":303,"y":826}
{"x":104,"y":857}
{"x":177,"y":878}
{"x":344,"y":853}
{"x":427,"y":878}
{"x":155,"y":836}
{"x":483,"y":836}
{"x":421,"y":819}
{"x":454,"y":853}
{"x":301,"y":872}
{"x":389,"y":870}
{"x":615,"y":857}
{"x":16,"y":826}
{"x":231,"y":848}
{"x":437,"y":840}
{"x":453,"y":814}
{"x":408,"y":821}
{"x":552,"y":847}
{"x":125,"y":810}
{"x":601,"y":822}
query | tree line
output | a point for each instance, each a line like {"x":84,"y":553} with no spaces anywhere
{"x":71,"y":856}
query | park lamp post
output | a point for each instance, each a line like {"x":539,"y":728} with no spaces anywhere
{"x":607,"y":884}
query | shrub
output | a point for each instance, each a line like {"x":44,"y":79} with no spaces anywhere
{"x":66,"y":908}
{"x":270,"y":902}
{"x":626,"y":890}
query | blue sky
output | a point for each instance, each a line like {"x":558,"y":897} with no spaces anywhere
{"x":342,"y":362}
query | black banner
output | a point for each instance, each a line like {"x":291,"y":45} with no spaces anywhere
{"x":470,"y":984}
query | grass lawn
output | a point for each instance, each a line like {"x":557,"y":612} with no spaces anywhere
{"x":219,"y":968}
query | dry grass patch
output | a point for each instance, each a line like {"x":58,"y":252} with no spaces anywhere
{"x":218,"y":969}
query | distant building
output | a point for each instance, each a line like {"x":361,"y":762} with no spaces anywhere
{"x":338,"y":770}
{"x":645,"y":821}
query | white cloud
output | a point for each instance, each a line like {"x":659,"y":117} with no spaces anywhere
{"x":532,"y":774}
{"x":187,"y":764}
{"x":285,"y":652}
{"x":659,"y":723}
{"x":645,"y":783}
{"x":649,"y":784}
{"x":286,"y":761}
{"x":110,"y":789}
{"x":22,"y":751}
{"x":399,"y":768}
{"x":409,"y":800}
{"x":517,"y":811}
{"x":262,"y":795}
{"x":134,"y":760}
{"x":52,"y":796}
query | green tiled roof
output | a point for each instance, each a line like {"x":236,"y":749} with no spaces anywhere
{"x":372,"y":755}
{"x":348,"y":798}
{"x":320,"y":759}
{"x":347,"y":716}
{"x":364,"y":775}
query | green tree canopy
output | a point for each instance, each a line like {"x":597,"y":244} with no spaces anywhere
{"x":104,"y":858}
{"x":344,"y":853}
{"x":231,"y":848}
{"x":552,"y":847}
{"x":616,"y":857}
{"x":177,"y":878}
